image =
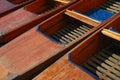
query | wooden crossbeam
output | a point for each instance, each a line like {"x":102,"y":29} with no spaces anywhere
{"x":82,"y":18}
{"x":111,"y":34}
{"x":63,"y":1}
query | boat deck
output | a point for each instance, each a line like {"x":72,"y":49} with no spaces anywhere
{"x":63,"y":70}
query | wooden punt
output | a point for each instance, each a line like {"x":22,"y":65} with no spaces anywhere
{"x":100,"y":54}
{"x":16,"y":25}
{"x":62,"y":69}
{"x":37,"y":48}
{"x":25,"y":18}
{"x":94,"y":54}
{"x":10,"y":5}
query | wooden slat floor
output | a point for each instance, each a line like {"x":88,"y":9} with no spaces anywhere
{"x":111,"y":5}
{"x":105,"y":64}
{"x":70,"y":32}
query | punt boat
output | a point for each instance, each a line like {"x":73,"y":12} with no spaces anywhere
{"x":7,"y":6}
{"x":36,"y":49}
{"x":96,"y":58}
{"x":21,"y":20}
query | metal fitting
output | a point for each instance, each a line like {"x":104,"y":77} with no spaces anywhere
{"x":1,"y":35}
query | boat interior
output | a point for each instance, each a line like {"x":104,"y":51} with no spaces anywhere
{"x":39,"y":7}
{"x":29,"y":16}
{"x":11,"y":5}
{"x":89,"y":35}
{"x":17,"y":1}
{"x":62,"y":69}
{"x":99,"y":54}
{"x":64,"y":30}
{"x":75,"y":22}
{"x":95,"y":58}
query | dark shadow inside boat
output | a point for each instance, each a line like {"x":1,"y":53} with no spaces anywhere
{"x":99,"y":11}
{"x":111,"y":5}
{"x":64,"y":30}
{"x":105,"y":63}
{"x":18,"y":1}
{"x":2,"y":44}
{"x":41,"y":6}
{"x":99,"y":55}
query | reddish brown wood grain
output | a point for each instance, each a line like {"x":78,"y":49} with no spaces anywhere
{"x":93,"y":43}
{"x":82,"y":18}
{"x":17,"y":1}
{"x":6,"y":6}
{"x":21,"y":20}
{"x":32,"y":48}
{"x":41,"y":6}
{"x":84,"y":5}
{"x":14,"y":20}
{"x":62,"y":69}
{"x":27,"y":52}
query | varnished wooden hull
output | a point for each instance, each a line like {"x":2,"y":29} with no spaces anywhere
{"x":98,"y":53}
{"x":36,"y":49}
{"x":27,"y":17}
{"x":11,"y":5}
{"x":72,"y":64}
{"x":62,"y":69}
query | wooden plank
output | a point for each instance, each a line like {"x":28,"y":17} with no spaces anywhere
{"x":108,"y":62}
{"x":63,"y":1}
{"x":11,"y":5}
{"x":7,"y":6}
{"x":33,"y":48}
{"x":111,"y":34}
{"x":105,"y":65}
{"x":67,"y":36}
{"x":21,"y":20}
{"x":82,"y":18}
{"x":18,"y":1}
{"x":14,"y":21}
{"x":63,"y":70}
